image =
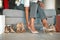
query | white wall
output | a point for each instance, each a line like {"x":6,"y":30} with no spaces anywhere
{"x":2,"y":23}
{"x":49,"y":4}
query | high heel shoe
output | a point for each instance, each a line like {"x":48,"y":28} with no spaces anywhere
{"x":46,"y":29}
{"x":34,"y":32}
{"x":6,"y":29}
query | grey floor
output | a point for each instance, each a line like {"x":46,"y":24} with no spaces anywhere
{"x":30,"y":36}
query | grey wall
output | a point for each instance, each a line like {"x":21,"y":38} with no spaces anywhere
{"x":16,"y":16}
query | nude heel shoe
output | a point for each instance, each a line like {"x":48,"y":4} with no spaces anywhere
{"x":34,"y":32}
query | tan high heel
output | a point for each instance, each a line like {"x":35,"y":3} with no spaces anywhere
{"x":34,"y":32}
{"x":6,"y":29}
{"x":11,"y":29}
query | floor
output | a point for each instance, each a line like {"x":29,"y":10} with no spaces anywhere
{"x":30,"y":36}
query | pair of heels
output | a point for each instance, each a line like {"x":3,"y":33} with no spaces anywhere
{"x":34,"y":32}
{"x":8,"y":29}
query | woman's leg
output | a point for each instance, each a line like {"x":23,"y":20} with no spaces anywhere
{"x":42,"y":16}
{"x":33,"y":11}
{"x":32,"y":24}
{"x":44,"y":22}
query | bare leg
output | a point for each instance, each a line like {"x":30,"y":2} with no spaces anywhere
{"x":45,"y":24}
{"x":32,"y":28}
{"x":46,"y":27}
{"x":32,"y":24}
{"x":27,"y":13}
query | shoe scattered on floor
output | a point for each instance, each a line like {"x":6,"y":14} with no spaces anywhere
{"x":6,"y":29}
{"x":20,"y":28}
{"x":11,"y":28}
